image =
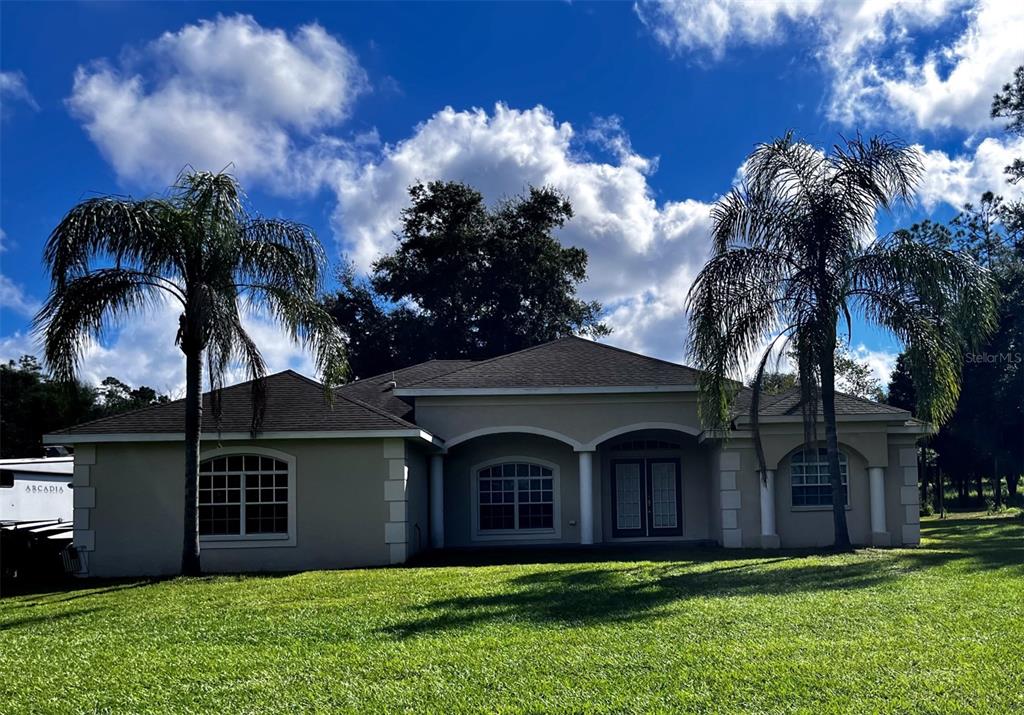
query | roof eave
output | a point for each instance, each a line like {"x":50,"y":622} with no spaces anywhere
{"x":118,"y":437}
{"x":555,"y":390}
{"x":894,"y":417}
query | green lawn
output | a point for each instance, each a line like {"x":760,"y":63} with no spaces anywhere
{"x":935,"y":629}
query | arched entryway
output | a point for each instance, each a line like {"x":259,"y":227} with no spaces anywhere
{"x":508,"y":487}
{"x":653,"y":485}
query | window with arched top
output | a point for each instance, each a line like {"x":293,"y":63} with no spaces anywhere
{"x":247,"y":497}
{"x":516,"y":498}
{"x":809,"y":478}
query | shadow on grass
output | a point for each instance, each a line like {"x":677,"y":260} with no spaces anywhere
{"x":29,"y":621}
{"x":48,"y":593}
{"x":611,"y":585}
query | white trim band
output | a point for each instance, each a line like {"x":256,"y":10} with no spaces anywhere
{"x":567,"y":390}
{"x":238,"y":436}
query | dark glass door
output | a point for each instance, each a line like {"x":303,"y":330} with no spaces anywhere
{"x":646,"y":497}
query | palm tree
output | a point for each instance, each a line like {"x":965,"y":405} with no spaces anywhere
{"x":112,"y":258}
{"x":794,"y":254}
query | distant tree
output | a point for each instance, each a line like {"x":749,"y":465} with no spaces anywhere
{"x":789,"y":259}
{"x":852,"y":376}
{"x":855,"y":377}
{"x":466,"y":281}
{"x":901,"y":391}
{"x":119,"y":397}
{"x":775,"y":383}
{"x":1009,"y":104}
{"x":33,"y":405}
{"x":112,"y":258}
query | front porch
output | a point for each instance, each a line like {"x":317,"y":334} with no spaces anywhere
{"x":649,"y":485}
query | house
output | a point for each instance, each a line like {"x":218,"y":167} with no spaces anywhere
{"x":570,"y":442}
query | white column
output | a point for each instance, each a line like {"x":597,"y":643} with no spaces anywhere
{"x":586,"y":497}
{"x":767,"y":482}
{"x":437,"y":501}
{"x":876,"y":483}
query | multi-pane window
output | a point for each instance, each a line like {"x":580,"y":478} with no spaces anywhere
{"x":243,"y":495}
{"x":809,"y":477}
{"x":516,"y":496}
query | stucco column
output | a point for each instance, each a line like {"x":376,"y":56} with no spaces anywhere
{"x":876,"y":486}
{"x":769,"y":539}
{"x":437,"y":501}
{"x":586,"y":497}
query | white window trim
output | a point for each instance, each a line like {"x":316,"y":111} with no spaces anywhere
{"x":817,"y":507}
{"x":230,"y":541}
{"x":517,"y":534}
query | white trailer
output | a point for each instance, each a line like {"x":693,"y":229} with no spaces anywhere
{"x":36,"y":489}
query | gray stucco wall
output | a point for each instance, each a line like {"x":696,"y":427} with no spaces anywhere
{"x":418,"y":463}
{"x":801,"y":526}
{"x":129,"y":512}
{"x":902,"y":495}
{"x":583,"y":418}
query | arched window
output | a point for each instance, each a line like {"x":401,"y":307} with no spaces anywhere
{"x":245,"y":496}
{"x":516,"y":497}
{"x":809,"y":478}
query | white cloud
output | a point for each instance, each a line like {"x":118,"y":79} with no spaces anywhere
{"x":220,"y":92}
{"x":3,"y":241}
{"x":14,"y":298}
{"x":865,"y":47}
{"x":951,"y":86}
{"x":956,"y":180}
{"x":881,"y":362}
{"x":14,"y":88}
{"x":713,"y":25}
{"x":643,"y":255}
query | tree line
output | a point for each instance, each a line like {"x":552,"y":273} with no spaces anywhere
{"x":983,"y":441}
{"x":35,"y":404}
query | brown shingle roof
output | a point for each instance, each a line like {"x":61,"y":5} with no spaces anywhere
{"x":566,"y":362}
{"x":294,"y":404}
{"x":377,"y":390}
{"x":787,"y":403}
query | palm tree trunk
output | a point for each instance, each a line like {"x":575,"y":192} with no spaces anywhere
{"x":828,"y":406}
{"x":190,"y":565}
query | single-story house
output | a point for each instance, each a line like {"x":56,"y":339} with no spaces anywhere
{"x":570,"y":442}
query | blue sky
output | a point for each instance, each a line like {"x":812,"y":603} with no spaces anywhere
{"x":641,"y":114}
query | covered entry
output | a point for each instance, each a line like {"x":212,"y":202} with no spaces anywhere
{"x":654,"y":486}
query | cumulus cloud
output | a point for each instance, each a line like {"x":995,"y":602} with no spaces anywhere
{"x":865,"y":47}
{"x":219,"y":92}
{"x":713,"y":25}
{"x":881,"y":362}
{"x":13,"y":88}
{"x":958,"y":179}
{"x":950,"y":86}
{"x":14,"y":298}
{"x":643,"y":255}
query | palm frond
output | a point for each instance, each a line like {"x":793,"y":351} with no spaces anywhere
{"x":81,"y":309}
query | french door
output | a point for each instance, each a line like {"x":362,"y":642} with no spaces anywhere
{"x":647,"y":497}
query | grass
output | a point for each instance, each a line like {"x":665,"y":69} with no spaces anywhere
{"x":935,"y":629}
